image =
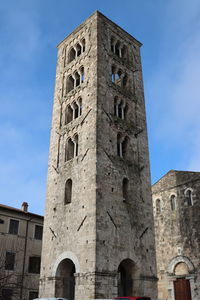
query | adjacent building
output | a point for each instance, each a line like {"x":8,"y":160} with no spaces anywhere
{"x":20,"y":253}
{"x":98,"y":229}
{"x":176,"y":199}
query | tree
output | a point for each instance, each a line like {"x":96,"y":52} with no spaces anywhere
{"x":10,"y":279}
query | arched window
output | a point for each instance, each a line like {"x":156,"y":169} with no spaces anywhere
{"x":83,"y":45}
{"x":69,"y":150}
{"x":117,"y":49}
{"x":68,"y":192}
{"x":75,"y":145}
{"x":82,"y":74}
{"x":113,"y":73}
{"x":120,"y":108}
{"x":80,"y":106}
{"x":112,"y":44}
{"x":68,"y":114}
{"x":124,"y":52}
{"x":78,"y":49}
{"x":125,"y":189}
{"x":77,"y":79}
{"x":158,"y":206}
{"x":72,"y":55}
{"x":173,"y":202}
{"x":70,"y":84}
{"x":122,"y":145}
{"x":125,"y":111}
{"x":188,"y":197}
{"x":76,"y":110}
{"x":116,"y":106}
{"x":118,"y":77}
{"x":125,"y":146}
{"x":73,"y":111}
{"x":119,"y":145}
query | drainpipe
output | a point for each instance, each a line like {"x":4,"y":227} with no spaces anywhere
{"x":24,"y":259}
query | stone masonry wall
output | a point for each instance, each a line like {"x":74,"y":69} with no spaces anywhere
{"x":71,"y":228}
{"x":124,"y":228}
{"x":177,"y":232}
{"x":98,"y":229}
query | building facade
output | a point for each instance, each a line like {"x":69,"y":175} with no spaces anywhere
{"x":98,"y":231}
{"x":20,"y":253}
{"x":176,"y":199}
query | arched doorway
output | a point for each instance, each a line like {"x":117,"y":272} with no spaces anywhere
{"x":65,"y":280}
{"x":126,"y":271}
{"x":181,"y":284}
{"x":181,"y":278}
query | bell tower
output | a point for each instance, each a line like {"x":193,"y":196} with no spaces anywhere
{"x":98,"y":234}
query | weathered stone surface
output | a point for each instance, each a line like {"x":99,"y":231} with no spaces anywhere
{"x":100,"y":227}
{"x":177,"y":231}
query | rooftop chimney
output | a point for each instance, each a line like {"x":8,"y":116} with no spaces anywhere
{"x":24,"y":207}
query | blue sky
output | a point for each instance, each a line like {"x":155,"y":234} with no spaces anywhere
{"x":29,"y":33}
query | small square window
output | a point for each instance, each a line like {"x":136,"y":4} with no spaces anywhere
{"x":34,"y":264}
{"x":14,"y":226}
{"x":38,"y":232}
{"x":33,"y":295}
{"x":10,"y":261}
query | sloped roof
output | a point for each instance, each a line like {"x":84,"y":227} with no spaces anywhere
{"x":20,"y":211}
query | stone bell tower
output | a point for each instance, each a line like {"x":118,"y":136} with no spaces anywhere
{"x":98,"y":233}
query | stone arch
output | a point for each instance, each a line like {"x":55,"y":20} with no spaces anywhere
{"x":71,"y":55}
{"x":68,"y":191}
{"x":64,"y":270}
{"x":82,"y":74}
{"x":112,"y":44}
{"x":180,"y":259}
{"x":128,"y":274}
{"x":77,"y":78}
{"x":69,"y":84}
{"x":68,"y":114}
{"x":118,"y":48}
{"x":83,"y":45}
{"x":78,"y":49}
{"x":188,"y":197}
{"x":173,"y":201}
{"x":188,"y":189}
{"x":66,"y":255}
{"x":124,"y":52}
{"x":181,"y":269}
{"x":69,"y":149}
{"x":65,"y":279}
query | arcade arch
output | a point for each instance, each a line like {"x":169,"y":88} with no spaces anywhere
{"x":127,"y":272}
